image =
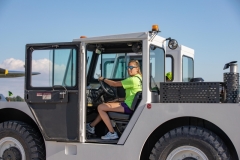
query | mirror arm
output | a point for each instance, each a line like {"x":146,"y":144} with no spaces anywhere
{"x":169,"y":38}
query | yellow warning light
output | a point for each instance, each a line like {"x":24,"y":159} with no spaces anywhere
{"x":155,"y":27}
{"x":83,"y":37}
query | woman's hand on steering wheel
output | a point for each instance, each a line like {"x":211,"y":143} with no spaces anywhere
{"x":100,"y":79}
{"x":106,"y":88}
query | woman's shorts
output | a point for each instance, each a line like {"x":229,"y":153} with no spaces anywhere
{"x":127,"y":110}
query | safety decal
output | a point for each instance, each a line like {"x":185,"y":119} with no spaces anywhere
{"x":47,"y":96}
{"x":39,"y":94}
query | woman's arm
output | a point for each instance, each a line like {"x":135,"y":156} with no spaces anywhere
{"x":110,"y":82}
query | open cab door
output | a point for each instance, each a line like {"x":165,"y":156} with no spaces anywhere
{"x":52,"y":96}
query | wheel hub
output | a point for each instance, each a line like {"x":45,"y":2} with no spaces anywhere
{"x":9,"y":148}
{"x":187,"y":153}
{"x":12,"y":153}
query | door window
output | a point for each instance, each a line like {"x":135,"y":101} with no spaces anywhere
{"x":169,"y":68}
{"x":187,"y":69}
{"x":157,"y":68}
{"x":56,"y":67}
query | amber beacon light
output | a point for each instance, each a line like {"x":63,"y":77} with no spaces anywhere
{"x":83,"y":37}
{"x":155,"y":27}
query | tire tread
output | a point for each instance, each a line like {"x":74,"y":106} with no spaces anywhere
{"x":31,"y":137}
{"x":191,"y":131}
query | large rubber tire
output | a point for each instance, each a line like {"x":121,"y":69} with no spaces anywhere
{"x":189,"y":143}
{"x":21,"y":142}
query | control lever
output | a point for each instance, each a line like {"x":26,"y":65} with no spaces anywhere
{"x":156,"y":87}
{"x":61,"y":95}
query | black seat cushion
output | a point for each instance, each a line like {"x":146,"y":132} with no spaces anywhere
{"x":123,"y":116}
{"x":119,"y":116}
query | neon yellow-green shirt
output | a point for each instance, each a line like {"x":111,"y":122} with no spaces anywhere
{"x":131,"y":85}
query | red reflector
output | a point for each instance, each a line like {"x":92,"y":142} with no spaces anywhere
{"x":149,"y":106}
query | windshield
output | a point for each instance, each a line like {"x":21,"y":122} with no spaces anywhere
{"x":113,"y":65}
{"x":89,"y":59}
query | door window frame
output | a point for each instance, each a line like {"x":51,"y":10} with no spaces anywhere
{"x":45,"y":46}
{"x":188,"y":68}
{"x":172,"y":66}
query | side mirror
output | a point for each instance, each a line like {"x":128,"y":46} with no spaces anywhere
{"x":172,"y":44}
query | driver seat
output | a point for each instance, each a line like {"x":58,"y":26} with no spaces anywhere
{"x":123,"y":117}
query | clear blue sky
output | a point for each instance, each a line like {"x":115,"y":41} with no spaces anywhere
{"x":210,"y":27}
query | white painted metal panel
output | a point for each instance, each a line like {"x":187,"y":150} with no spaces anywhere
{"x":22,"y":106}
{"x":225,"y":116}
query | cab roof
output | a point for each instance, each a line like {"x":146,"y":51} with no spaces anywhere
{"x":112,"y":38}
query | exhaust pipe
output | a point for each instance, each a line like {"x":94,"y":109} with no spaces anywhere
{"x":231,"y":83}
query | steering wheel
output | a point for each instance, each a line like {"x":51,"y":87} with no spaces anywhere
{"x":107,"y":89}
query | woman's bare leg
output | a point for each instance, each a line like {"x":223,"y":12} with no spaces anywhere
{"x":96,"y":121}
{"x":104,"y":108}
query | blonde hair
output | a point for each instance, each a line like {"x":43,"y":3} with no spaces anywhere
{"x":137,"y":65}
